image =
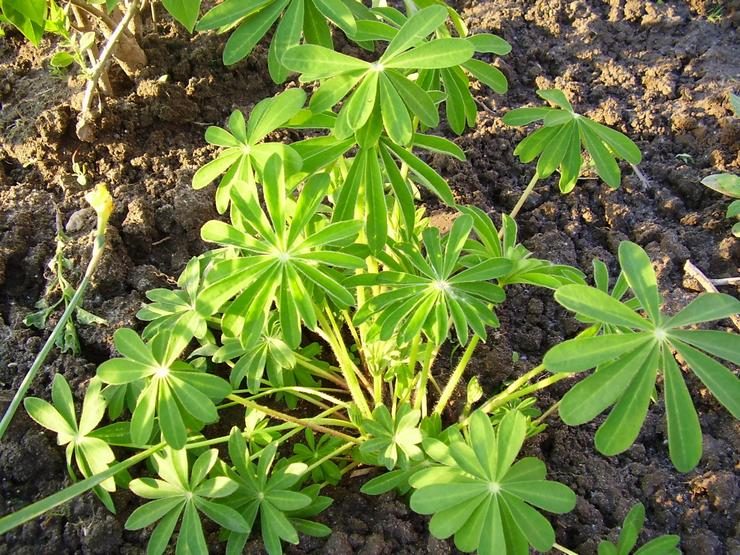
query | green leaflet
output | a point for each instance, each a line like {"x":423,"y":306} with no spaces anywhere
{"x":633,"y":522}
{"x":28,"y":16}
{"x":184,"y":11}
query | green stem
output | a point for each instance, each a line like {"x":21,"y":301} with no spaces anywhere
{"x":339,"y":342}
{"x":346,"y":366}
{"x":542,"y":384}
{"x":293,"y":430}
{"x":525,"y":196}
{"x":302,"y":393}
{"x":545,"y":414}
{"x":40,"y":507}
{"x":292,"y":419}
{"x":494,"y":401}
{"x":456,"y":375}
{"x":363,"y":356}
{"x":420,"y":396}
{"x":413,"y":354}
{"x":322,"y":460}
{"x":564,"y":549}
{"x":97,"y":254}
{"x":319,"y":372}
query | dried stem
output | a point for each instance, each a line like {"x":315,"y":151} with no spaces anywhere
{"x":92,"y":10}
{"x":83,"y":25}
{"x":525,"y":196}
{"x":84,"y":131}
{"x":710,"y":284}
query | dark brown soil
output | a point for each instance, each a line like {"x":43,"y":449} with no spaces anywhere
{"x":658,"y":71}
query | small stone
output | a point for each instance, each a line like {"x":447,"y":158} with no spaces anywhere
{"x":80,"y":219}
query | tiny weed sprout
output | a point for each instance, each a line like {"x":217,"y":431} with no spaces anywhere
{"x":323,"y":316}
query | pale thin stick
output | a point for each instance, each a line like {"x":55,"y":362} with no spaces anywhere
{"x":101,"y":15}
{"x":726,"y":281}
{"x":92,"y":52}
{"x":643,"y":179}
{"x":708,"y":284}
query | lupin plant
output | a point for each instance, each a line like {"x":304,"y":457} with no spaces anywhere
{"x":328,"y":289}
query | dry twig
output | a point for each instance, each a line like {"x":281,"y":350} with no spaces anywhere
{"x":711,"y":284}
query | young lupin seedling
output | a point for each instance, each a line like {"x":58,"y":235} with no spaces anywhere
{"x":628,"y":358}
{"x":557,"y":145}
{"x":323,"y":243}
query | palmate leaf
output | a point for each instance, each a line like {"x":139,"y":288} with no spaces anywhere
{"x":270,"y":493}
{"x":564,"y":134}
{"x":634,"y":349}
{"x":453,"y":81}
{"x":383,"y":82}
{"x":180,"y":395}
{"x":479,"y":494}
{"x":244,"y":156}
{"x":187,"y":493}
{"x":170,"y":306}
{"x":436,"y":291}
{"x":91,"y":454}
{"x":394,"y":440}
{"x":270,"y":352}
{"x":287,"y":258}
{"x":315,"y":451}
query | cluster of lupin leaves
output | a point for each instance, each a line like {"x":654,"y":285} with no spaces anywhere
{"x":323,"y":238}
{"x":88,"y":446}
{"x":478,"y":494}
{"x":558,"y":143}
{"x":630,"y":354}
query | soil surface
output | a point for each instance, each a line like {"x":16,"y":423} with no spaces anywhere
{"x":660,"y":71}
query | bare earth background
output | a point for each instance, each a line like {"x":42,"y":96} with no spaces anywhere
{"x":658,"y":71}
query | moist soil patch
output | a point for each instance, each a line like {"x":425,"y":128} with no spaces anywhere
{"x":658,"y":71}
